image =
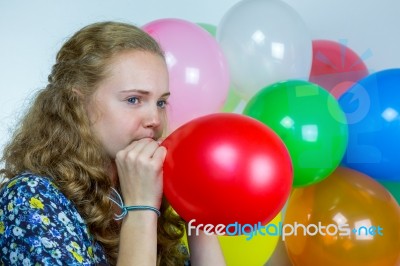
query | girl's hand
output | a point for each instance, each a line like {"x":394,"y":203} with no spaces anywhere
{"x":139,"y":168}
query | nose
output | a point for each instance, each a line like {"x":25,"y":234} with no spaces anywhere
{"x":152,"y":118}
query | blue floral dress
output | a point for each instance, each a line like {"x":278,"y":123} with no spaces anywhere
{"x":40,"y":226}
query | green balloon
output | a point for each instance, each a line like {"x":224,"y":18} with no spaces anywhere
{"x":393,"y":188}
{"x":310,"y":122}
{"x":208,"y":27}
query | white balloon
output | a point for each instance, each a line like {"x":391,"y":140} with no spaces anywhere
{"x":264,"y":41}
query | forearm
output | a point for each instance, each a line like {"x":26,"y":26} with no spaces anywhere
{"x":138,"y":239}
{"x":205,"y":250}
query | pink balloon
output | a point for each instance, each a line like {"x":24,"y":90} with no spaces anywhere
{"x":199,"y":77}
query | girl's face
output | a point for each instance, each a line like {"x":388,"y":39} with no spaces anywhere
{"x":130,"y":103}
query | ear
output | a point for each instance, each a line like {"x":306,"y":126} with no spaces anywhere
{"x":77,"y":92}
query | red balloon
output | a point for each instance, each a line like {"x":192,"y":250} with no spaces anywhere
{"x":226,"y":168}
{"x":335,"y":67}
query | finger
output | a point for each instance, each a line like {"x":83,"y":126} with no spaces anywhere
{"x":160,"y":140}
{"x":132,"y":150}
{"x":149,"y":149}
{"x":137,"y":146}
{"x":159,"y":154}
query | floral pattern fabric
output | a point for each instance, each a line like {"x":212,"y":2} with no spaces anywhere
{"x":40,"y":226}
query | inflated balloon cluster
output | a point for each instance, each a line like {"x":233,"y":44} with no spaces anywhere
{"x":311,"y":122}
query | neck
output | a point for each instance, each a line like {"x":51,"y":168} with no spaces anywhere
{"x":113,"y":173}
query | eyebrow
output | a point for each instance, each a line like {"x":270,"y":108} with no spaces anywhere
{"x":143,"y":92}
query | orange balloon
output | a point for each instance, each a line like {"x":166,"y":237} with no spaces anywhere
{"x":348,"y":218}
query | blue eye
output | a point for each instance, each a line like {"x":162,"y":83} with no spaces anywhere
{"x":133,"y":100}
{"x":162,"y":104}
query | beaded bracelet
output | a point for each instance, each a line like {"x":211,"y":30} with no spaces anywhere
{"x":119,"y":202}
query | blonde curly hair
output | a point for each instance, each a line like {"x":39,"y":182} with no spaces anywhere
{"x":54,"y":138}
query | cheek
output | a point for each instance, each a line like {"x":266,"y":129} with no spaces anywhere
{"x":110,"y":137}
{"x":120,"y":129}
{"x":106,"y":129}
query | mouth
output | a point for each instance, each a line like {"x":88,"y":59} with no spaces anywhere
{"x":148,"y":137}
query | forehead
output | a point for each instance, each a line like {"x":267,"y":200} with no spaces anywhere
{"x":137,"y":70}
{"x":136,"y":60}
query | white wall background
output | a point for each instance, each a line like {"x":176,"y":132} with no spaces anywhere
{"x":31,"y":32}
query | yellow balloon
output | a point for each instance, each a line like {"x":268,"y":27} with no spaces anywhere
{"x":350,"y":220}
{"x":241,"y":250}
{"x":184,"y":241}
{"x":233,"y":103}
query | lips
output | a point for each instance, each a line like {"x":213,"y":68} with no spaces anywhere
{"x":151,"y":135}
{"x":145,"y":137}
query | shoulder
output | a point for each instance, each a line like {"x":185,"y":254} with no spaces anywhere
{"x":31,"y":195}
{"x":28,"y":189}
{"x":38,"y":222}
{"x":27,"y":180}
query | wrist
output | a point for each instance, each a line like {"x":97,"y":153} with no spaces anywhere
{"x":143,"y":218}
{"x":139,"y":208}
{"x":117,"y":199}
